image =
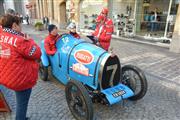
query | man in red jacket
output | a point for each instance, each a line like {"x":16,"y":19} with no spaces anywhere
{"x":51,"y":39}
{"x":18,"y":62}
{"x":104,"y":29}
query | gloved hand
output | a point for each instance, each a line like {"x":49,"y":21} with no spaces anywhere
{"x":98,"y":44}
{"x":96,"y":40}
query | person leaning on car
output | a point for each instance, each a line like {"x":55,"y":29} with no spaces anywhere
{"x":18,"y":62}
{"x":51,"y":39}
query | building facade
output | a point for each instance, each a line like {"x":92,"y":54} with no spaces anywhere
{"x":146,"y":18}
{"x":55,"y":10}
{"x":1,"y":7}
{"x":137,"y":12}
{"x":18,"y":5}
{"x":62,"y":12}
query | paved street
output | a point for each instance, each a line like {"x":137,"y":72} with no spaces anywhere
{"x":162,"y":101}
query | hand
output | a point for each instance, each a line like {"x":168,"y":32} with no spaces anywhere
{"x":97,"y":43}
{"x":96,"y":40}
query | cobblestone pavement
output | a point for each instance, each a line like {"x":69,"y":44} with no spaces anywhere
{"x":162,"y":101}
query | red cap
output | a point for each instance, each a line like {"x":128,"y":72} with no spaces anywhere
{"x":105,"y":11}
{"x":99,"y":18}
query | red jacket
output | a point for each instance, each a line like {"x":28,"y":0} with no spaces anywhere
{"x":104,"y":32}
{"x":18,"y":66}
{"x":50,"y":44}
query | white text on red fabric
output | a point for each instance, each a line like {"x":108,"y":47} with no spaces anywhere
{"x":8,"y":40}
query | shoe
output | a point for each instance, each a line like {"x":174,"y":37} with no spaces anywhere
{"x":27,"y":118}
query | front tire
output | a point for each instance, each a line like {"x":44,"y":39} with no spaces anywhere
{"x":43,"y":72}
{"x":131,"y":76}
{"x":78,"y":100}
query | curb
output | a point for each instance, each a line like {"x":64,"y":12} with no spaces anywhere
{"x":142,"y":42}
{"x":163,"y":45}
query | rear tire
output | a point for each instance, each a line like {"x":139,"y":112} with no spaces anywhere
{"x":78,"y":100}
{"x":43,"y":72}
{"x":131,"y":80}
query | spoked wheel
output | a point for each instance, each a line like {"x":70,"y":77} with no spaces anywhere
{"x":78,"y":101}
{"x":135,"y":79}
{"x":43,"y":72}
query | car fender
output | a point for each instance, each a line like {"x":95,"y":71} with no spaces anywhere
{"x":44,"y":59}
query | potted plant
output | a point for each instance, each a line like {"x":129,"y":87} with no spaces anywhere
{"x":39,"y":26}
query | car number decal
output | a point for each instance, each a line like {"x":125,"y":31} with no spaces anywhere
{"x":119,"y":93}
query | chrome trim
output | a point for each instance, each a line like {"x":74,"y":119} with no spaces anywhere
{"x":101,"y":69}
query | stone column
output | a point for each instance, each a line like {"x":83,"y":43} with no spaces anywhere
{"x":77,"y":14}
{"x":37,"y":9}
{"x":77,"y":10}
{"x":45,"y":8}
{"x":41,"y":9}
{"x":175,"y":44}
{"x":139,"y":11}
{"x":110,"y":7}
{"x":49,"y":7}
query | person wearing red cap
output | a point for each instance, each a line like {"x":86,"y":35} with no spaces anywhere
{"x":104,"y":29}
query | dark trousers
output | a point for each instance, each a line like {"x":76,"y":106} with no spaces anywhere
{"x":154,"y":26}
{"x":22,"y":99}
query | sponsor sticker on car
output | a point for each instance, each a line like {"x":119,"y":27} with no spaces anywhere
{"x":80,"y":68}
{"x":84,"y":57}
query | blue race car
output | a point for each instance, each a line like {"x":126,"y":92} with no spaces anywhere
{"x":91,"y":74}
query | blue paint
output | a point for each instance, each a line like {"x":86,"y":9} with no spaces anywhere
{"x":114,"y":99}
{"x":64,"y":59}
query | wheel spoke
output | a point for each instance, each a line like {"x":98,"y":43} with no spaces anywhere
{"x":77,"y":102}
{"x":132,"y":79}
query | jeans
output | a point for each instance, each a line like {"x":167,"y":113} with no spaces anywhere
{"x":154,"y":26}
{"x":22,"y":99}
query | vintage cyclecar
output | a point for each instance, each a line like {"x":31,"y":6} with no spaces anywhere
{"x":91,"y":74}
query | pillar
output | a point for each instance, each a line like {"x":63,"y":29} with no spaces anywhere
{"x":175,"y":44}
